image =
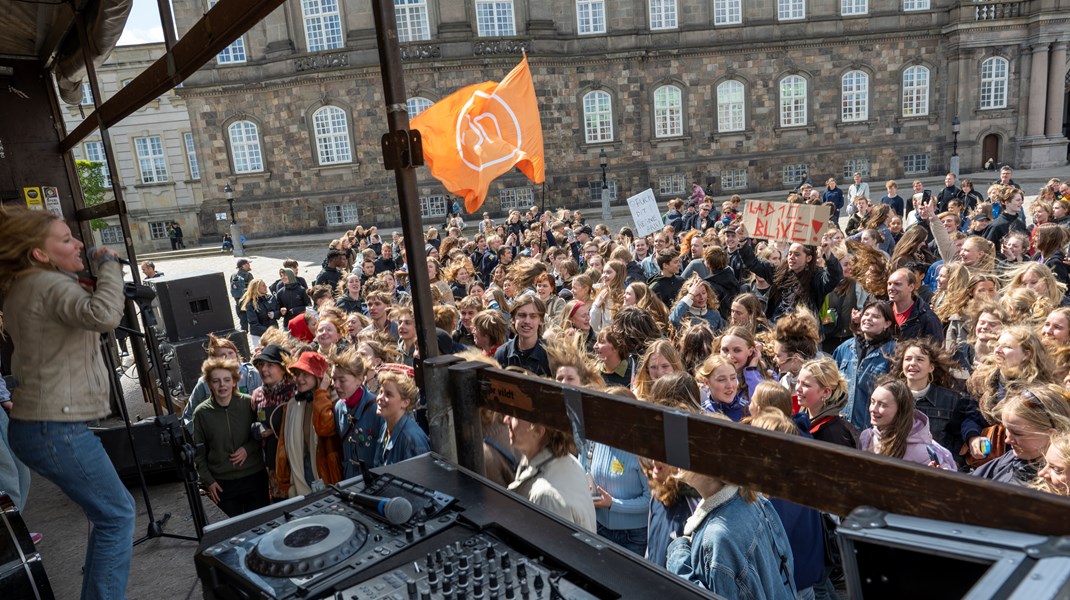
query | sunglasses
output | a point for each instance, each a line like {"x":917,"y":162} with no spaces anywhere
{"x":1033,"y":402}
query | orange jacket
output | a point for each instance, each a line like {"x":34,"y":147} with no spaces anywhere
{"x":328,"y":448}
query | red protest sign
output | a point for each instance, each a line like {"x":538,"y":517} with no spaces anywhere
{"x":785,"y":222}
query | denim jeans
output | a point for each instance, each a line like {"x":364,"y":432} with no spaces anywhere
{"x":629,"y":539}
{"x":70,"y":456}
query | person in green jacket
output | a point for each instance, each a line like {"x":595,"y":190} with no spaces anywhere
{"x":229,"y":461}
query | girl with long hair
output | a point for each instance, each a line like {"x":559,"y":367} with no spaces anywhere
{"x":1031,"y":415}
{"x":575,"y":316}
{"x":978,"y":254}
{"x":610,"y":295}
{"x":795,"y":341}
{"x":1039,"y":278}
{"x":865,"y":357}
{"x":660,"y":359}
{"x":1053,"y":476}
{"x":959,"y":291}
{"x":696,"y":301}
{"x":544,"y":290}
{"x":747,"y":311}
{"x":638,"y":294}
{"x":865,"y":277}
{"x":822,"y":392}
{"x":900,"y":431}
{"x":955,"y":420}
{"x":1018,"y":358}
{"x":261,"y":309}
{"x":1049,"y":242}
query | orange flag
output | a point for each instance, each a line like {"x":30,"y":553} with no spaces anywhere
{"x":480,"y":132}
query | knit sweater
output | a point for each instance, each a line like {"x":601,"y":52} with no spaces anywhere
{"x":618,"y":473}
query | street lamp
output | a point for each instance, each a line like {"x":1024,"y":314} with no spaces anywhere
{"x":602,"y":162}
{"x":235,"y":229}
{"x":955,"y":125}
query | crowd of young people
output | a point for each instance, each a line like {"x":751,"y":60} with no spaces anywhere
{"x":934,"y":329}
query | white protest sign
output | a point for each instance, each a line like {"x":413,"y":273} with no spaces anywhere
{"x":645,"y":213}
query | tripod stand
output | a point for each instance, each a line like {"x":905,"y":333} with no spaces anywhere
{"x":182,"y":449}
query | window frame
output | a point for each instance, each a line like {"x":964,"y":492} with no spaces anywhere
{"x":427,"y":204}
{"x":795,"y":169}
{"x":916,"y":5}
{"x":668,"y":119}
{"x":157,"y":171}
{"x":724,"y":107}
{"x":87,"y":95}
{"x":103,"y":159}
{"x":110,"y":231}
{"x":733,"y":175}
{"x":912,"y":158}
{"x":331,"y":139}
{"x":795,"y":121}
{"x":789,"y":8}
{"x":415,"y":13}
{"x":191,"y":156}
{"x":245,"y":145}
{"x":341,"y":213}
{"x":160,"y":232}
{"x":411,"y":103}
{"x":992,"y":81}
{"x":912,"y":91}
{"x":593,"y":6}
{"x":861,"y":7}
{"x":496,"y":17}
{"x":857,"y":165}
{"x":320,"y":36}
{"x":728,"y":8}
{"x":663,"y":16}
{"x":854,"y":102}
{"x":518,"y":198}
{"x":672,"y":189}
{"x":230,"y":54}
{"x":596,"y":196}
{"x":605,"y":118}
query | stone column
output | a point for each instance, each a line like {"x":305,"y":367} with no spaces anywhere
{"x":1053,"y":124}
{"x":1037,"y":100}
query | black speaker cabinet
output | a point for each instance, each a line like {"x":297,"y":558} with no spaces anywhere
{"x":184,"y":359}
{"x":193,"y":305}
{"x":153,"y":449}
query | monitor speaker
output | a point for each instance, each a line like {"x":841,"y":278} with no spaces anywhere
{"x":153,"y":449}
{"x":193,"y":305}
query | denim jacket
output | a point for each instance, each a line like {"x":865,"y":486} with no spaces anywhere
{"x":861,"y":375}
{"x":736,"y":549}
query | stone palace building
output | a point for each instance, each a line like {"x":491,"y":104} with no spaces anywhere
{"x":742,"y":95}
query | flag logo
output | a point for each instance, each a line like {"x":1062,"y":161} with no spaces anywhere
{"x":481,"y":140}
{"x":481,"y":132}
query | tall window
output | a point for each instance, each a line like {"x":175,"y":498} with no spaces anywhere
{"x":663,"y":14}
{"x":412,"y":20}
{"x":332,"y":135}
{"x":856,"y":165}
{"x":730,"y":107}
{"x":151,"y":159}
{"x":94,"y":151}
{"x":792,"y":101}
{"x":191,"y":156}
{"x":915,"y":4}
{"x":668,"y":111}
{"x":915,"y":91}
{"x":590,"y":16}
{"x":417,"y":105}
{"x":519,"y":198}
{"x":727,"y":12}
{"x":790,"y":10}
{"x":791,"y":175}
{"x":853,"y":7}
{"x":669,"y":185}
{"x":494,"y":18}
{"x":323,"y":25}
{"x":994,"y":83}
{"x":158,"y":230}
{"x":112,"y":234}
{"x":596,"y":190}
{"x":854,"y":91}
{"x":235,"y":52}
{"x":597,"y":117}
{"x":87,"y":95}
{"x":245,"y":147}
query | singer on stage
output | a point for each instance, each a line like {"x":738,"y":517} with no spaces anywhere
{"x":55,"y":322}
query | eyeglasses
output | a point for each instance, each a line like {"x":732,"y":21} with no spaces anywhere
{"x":1033,"y":402}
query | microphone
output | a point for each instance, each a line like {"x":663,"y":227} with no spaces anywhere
{"x":90,"y":251}
{"x":395,"y":510}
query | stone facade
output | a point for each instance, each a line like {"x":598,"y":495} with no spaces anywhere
{"x":170,"y":194}
{"x":281,"y":86}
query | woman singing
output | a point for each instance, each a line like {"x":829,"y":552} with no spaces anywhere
{"x":55,"y":323}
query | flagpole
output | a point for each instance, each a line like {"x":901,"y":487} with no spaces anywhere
{"x":402,"y":154}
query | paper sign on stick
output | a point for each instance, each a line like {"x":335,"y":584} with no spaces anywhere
{"x":645,"y":213}
{"x":785,"y":222}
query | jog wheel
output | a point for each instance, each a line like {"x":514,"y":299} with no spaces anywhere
{"x":307,"y":545}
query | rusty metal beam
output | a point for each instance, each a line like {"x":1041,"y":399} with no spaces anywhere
{"x":224,"y":23}
{"x":100,"y":211}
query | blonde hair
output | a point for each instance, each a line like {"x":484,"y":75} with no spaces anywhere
{"x":827,"y":374}
{"x":351,"y":362}
{"x":21,"y":231}
{"x":1060,"y":441}
{"x":1044,"y":407}
{"x":665,"y":349}
{"x":252,"y":294}
{"x":770,"y":395}
{"x":567,"y":350}
{"x":1054,"y":289}
{"x":227,"y":364}
{"x":405,"y":385}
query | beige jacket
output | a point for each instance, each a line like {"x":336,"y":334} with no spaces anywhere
{"x":559,"y":485}
{"x":56,"y":325}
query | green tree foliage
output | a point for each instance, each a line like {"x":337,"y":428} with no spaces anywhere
{"x":91,"y":178}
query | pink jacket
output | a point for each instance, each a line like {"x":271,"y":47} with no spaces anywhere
{"x":919,"y":443}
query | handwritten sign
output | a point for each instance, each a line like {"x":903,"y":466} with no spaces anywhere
{"x":645,"y":213}
{"x":784,"y":222}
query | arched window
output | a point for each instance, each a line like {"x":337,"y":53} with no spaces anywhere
{"x":597,"y":117}
{"x":792,"y":101}
{"x":854,"y":94}
{"x":668,"y":112}
{"x":994,"y":83}
{"x":245,"y":147}
{"x":323,"y":24}
{"x":915,"y":91}
{"x":332,"y":135}
{"x":730,"y":106}
{"x":417,"y":105}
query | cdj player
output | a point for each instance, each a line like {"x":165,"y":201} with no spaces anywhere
{"x":453,"y":535}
